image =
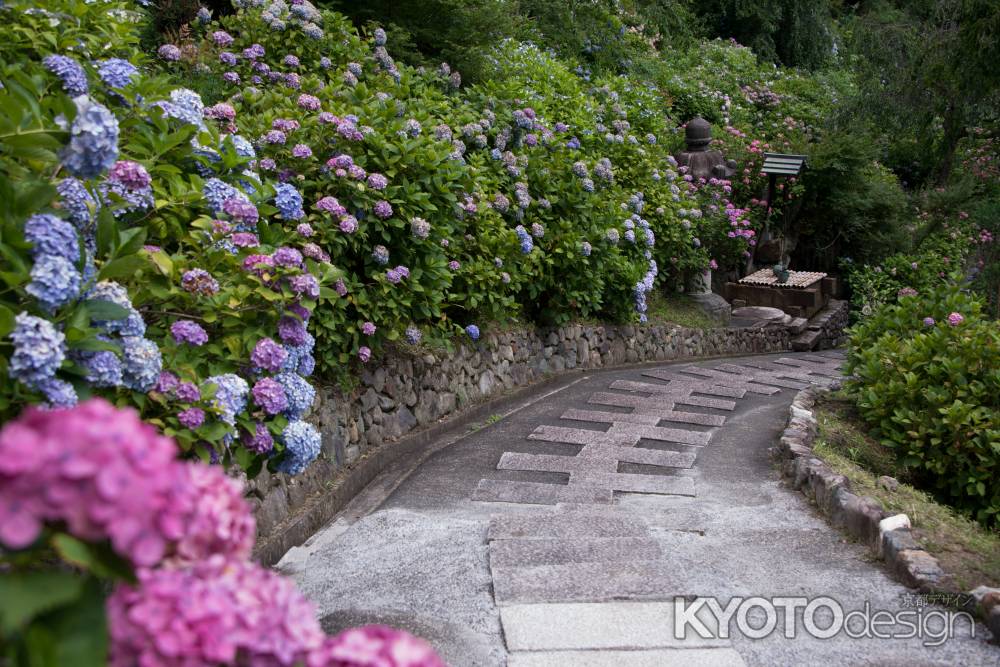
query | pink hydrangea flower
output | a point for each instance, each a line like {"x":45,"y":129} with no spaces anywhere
{"x":955,"y":319}
{"x":105,"y":474}
{"x":374,"y":646}
{"x":210,"y":614}
{"x":364,"y":354}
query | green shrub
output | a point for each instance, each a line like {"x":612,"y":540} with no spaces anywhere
{"x":930,"y":389}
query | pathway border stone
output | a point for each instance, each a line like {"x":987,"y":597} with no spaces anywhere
{"x":887,"y":535}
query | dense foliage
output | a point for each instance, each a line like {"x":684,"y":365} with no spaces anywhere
{"x":927,"y":379}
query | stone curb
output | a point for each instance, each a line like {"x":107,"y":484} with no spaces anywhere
{"x":888,"y":536}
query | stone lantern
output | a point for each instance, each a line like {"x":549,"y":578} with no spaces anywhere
{"x":700,"y":161}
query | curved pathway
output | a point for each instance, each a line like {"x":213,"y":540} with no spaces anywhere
{"x":562,"y":533}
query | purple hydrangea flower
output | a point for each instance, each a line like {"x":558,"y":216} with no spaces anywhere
{"x":270,"y":396}
{"x":191,"y":418}
{"x":268,"y":355}
{"x":381,"y":255}
{"x":368,"y":328}
{"x":304,"y":229}
{"x":377,"y":181}
{"x":413,"y":335}
{"x":309,"y":102}
{"x":364,"y":354}
{"x":188,"y":392}
{"x":166,"y":382}
{"x":285,"y":256}
{"x":349,"y":224}
{"x":292,"y":330}
{"x":383,"y":209}
{"x":454,"y":265}
{"x":301,"y":151}
{"x":169,"y":52}
{"x":473,"y":331}
{"x":259,"y":442}
{"x":224,"y":39}
{"x":954,"y":319}
{"x":305,"y":285}
{"x":186,"y":331}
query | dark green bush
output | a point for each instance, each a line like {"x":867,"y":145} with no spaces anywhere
{"x":931,"y":390}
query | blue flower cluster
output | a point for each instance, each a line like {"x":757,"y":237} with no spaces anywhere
{"x":302,"y":444}
{"x":93,"y":144}
{"x":289,"y":202}
{"x":116,"y":73}
{"x":142,"y":363}
{"x":230,"y":395}
{"x":39,"y":350}
{"x":527,"y":244}
{"x":74,"y":79}
{"x":299,"y":392}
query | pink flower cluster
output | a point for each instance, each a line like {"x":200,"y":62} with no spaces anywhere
{"x":374,"y":646}
{"x":106,"y":474}
{"x":217,"y":612}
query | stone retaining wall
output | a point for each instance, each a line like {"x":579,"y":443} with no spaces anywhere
{"x":407,"y":391}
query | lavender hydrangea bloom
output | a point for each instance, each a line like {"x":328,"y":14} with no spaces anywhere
{"x":302,"y":444}
{"x":292,"y":330}
{"x":54,"y":281}
{"x":305,"y":285}
{"x":420,"y":228}
{"x":169,"y":52}
{"x":270,"y":396}
{"x":268,"y":355}
{"x":289,"y":202}
{"x":381,"y":255}
{"x":39,"y":350}
{"x":166,"y":382}
{"x":413,"y":335}
{"x":473,"y":331}
{"x":383,"y":209}
{"x":143,"y":363}
{"x":117,"y":73}
{"x":259,"y":442}
{"x":185,"y":105}
{"x":299,"y":392}
{"x":188,"y":392}
{"x":93,"y":144}
{"x":191,"y":418}
{"x":380,"y":37}
{"x":74,"y":79}
{"x":230,"y":395}
{"x":50,"y":235}
{"x":186,"y":331}
{"x":377,"y":181}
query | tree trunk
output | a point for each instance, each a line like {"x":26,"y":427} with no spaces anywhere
{"x":954,"y":131}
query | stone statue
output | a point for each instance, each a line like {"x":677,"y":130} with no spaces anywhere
{"x":700,"y":161}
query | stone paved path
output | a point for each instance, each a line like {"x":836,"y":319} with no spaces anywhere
{"x":560,"y":535}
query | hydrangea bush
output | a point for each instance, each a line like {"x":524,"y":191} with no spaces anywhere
{"x":925,"y":377}
{"x":150,"y":261}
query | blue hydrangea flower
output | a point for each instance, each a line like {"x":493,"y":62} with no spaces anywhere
{"x":473,"y":331}
{"x":289,"y":202}
{"x":103,"y":368}
{"x":39,"y":350}
{"x":585,"y":249}
{"x":93,"y":144}
{"x":116,"y":73}
{"x":243,"y":147}
{"x":59,"y":393}
{"x":186,"y":106}
{"x":74,"y":79}
{"x":77,"y":202}
{"x":413,"y":335}
{"x":299,"y":392}
{"x":132,"y":324}
{"x":142,"y":363}
{"x":230,"y":395}
{"x":302,"y":445}
{"x":54,"y":281}
{"x":527,"y":244}
{"x":50,"y":235}
{"x":216,"y":192}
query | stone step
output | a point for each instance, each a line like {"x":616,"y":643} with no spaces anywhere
{"x":556,"y":551}
{"x":798,"y":325}
{"x":580,"y":525}
{"x":539,"y":493}
{"x":666,"y":657}
{"x":806,"y":341}
{"x":603,"y":626}
{"x":584,"y":582}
